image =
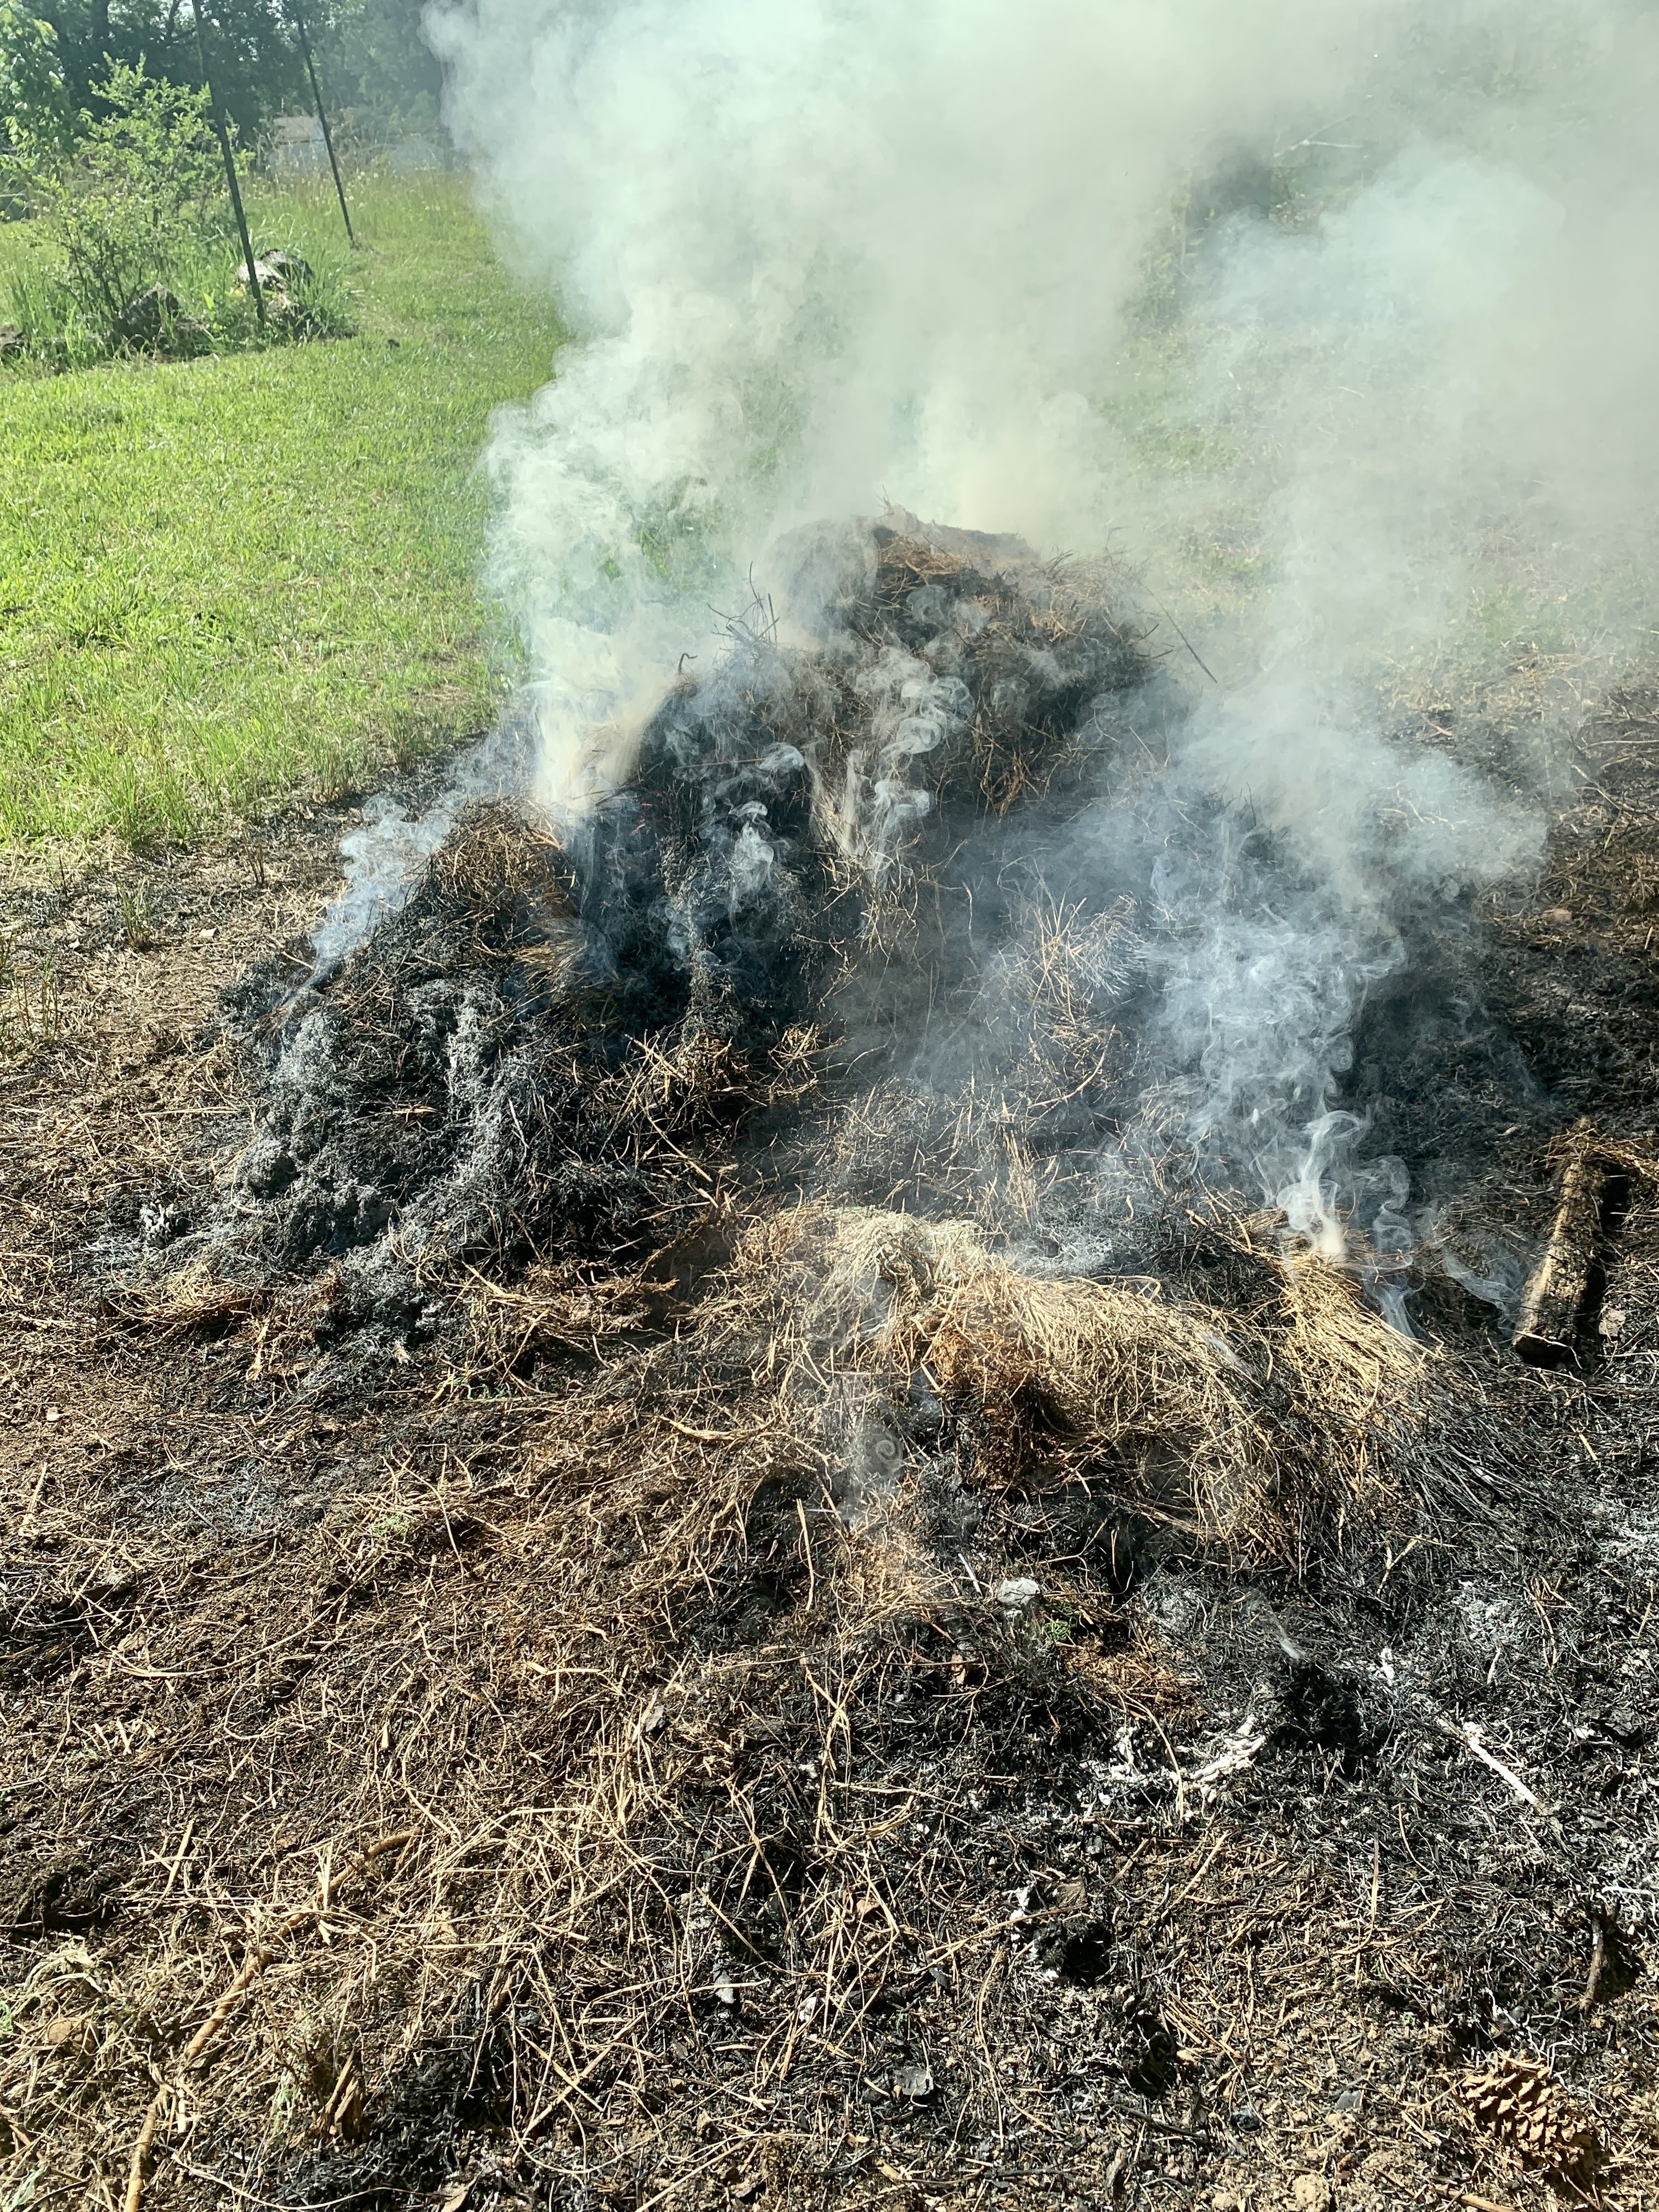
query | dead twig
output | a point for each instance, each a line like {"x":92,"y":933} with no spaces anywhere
{"x":252,"y":1967}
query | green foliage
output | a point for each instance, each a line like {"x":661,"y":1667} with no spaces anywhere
{"x":205,"y":306}
{"x":303,"y":299}
{"x":48,"y":328}
{"x":141,"y":191}
{"x":380,"y":73}
{"x":223,"y":577}
{"x":36,"y":112}
{"x":135,"y":249}
{"x":380,"y":78}
{"x":252,"y":50}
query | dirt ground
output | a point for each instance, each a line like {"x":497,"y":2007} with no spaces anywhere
{"x":487,"y":1781}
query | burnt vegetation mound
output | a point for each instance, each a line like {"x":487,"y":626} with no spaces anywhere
{"x":577,"y":1047}
{"x":874,"y":919}
{"x":806,"y":1696}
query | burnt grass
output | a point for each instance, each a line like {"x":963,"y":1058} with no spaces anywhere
{"x":557,"y":1801}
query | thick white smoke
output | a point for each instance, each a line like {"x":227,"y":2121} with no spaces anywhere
{"x":815,"y":257}
{"x":1332,"y":320}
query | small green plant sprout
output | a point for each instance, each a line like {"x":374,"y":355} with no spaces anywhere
{"x":31,"y":1011}
{"x":138,"y":914}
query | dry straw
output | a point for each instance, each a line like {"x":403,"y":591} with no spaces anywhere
{"x":573,"y":1757}
{"x":624,"y":1705}
{"x":1237,"y":1424}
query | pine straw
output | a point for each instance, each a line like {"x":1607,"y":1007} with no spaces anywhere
{"x":621,"y":1779}
{"x":1037,"y":644}
{"x":552,"y":1773}
{"x":466,"y":1810}
{"x":558,"y":1051}
{"x":1240,"y":1426}
{"x":543,"y":1773}
{"x":499,"y":853}
{"x":189,"y":1303}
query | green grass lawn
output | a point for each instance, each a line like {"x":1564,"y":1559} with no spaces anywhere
{"x":225,"y":578}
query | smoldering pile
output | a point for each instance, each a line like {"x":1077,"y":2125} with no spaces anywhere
{"x":564,"y":1042}
{"x":793,"y":1018}
{"x":835,"y":1507}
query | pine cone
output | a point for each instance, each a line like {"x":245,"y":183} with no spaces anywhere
{"x":1521,"y":2101}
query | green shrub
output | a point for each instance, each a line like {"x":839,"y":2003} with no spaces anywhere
{"x":138,"y":253}
{"x":141,"y":188}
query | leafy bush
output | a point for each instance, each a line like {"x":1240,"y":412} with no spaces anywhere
{"x":140,"y":254}
{"x":138,"y":193}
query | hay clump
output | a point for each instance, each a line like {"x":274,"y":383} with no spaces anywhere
{"x":1235,"y":1427}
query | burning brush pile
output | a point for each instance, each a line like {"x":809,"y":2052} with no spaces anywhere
{"x":834,"y":1666}
{"x":564,"y":1046}
{"x":792,"y":1035}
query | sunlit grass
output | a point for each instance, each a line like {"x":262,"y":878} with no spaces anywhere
{"x":225,"y":578}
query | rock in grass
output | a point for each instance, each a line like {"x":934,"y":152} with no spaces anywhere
{"x":277,"y":272}
{"x":154,"y":322}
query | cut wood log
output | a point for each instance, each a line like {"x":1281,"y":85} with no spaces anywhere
{"x":1555,"y":1294}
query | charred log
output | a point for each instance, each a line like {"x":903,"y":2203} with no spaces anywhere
{"x":1560,"y":1283}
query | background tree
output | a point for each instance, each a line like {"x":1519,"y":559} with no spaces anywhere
{"x":378,"y":69}
{"x":56,"y":56}
{"x":36,"y":112}
{"x":255,"y":56}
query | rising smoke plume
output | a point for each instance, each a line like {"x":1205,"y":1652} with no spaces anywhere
{"x":1327,"y":319}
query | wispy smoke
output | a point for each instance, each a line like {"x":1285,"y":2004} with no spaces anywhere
{"x":385,"y":857}
{"x":1330,"y":320}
